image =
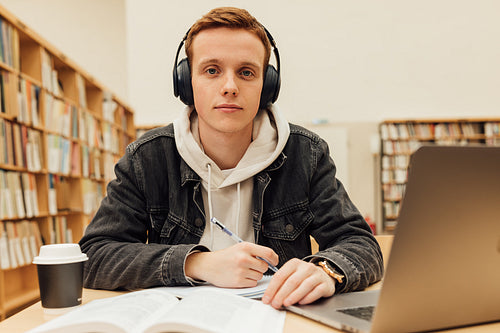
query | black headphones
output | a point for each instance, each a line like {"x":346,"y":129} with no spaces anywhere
{"x":184,"y":90}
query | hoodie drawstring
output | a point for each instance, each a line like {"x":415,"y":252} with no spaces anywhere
{"x":210,"y":213}
{"x":238,"y":207}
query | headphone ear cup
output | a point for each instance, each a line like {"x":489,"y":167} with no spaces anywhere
{"x":182,"y":82}
{"x":270,"y":87}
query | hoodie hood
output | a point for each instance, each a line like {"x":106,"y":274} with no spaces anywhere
{"x":270,"y":134}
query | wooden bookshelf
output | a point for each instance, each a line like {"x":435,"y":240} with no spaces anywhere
{"x":61,"y":132}
{"x":141,"y":129}
{"x":400,"y":138}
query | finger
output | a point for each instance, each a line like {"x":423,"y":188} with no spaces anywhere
{"x":295,"y":283}
{"x":300,"y":291}
{"x":321,"y":290}
{"x":260,"y":265}
{"x":246,"y":259}
{"x":254,"y":275}
{"x":278,"y":280}
{"x":311,"y":289}
{"x":264,"y":252}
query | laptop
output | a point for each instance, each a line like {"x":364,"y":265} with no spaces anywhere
{"x":444,"y":266}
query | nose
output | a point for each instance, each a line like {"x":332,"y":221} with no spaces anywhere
{"x":229,"y":86}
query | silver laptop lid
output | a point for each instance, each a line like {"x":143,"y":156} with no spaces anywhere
{"x":444,"y":267}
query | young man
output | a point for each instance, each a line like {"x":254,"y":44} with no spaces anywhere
{"x":230,"y":157}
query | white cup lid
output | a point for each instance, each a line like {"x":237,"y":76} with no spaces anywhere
{"x":59,"y":254}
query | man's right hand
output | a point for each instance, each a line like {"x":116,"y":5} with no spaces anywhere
{"x":234,"y":267}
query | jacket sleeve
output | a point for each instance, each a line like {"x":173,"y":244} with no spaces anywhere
{"x":115,"y":241}
{"x":343,"y":236}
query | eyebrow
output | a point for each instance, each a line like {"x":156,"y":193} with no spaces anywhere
{"x":217,"y":61}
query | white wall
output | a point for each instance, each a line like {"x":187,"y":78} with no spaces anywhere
{"x":341,"y":60}
{"x":89,"y":32}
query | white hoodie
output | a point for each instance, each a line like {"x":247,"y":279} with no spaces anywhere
{"x":229,"y":198}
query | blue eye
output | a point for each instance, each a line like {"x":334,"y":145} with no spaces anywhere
{"x":246,"y":73}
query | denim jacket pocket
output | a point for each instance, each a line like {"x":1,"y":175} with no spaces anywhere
{"x":287,"y":223}
{"x":170,"y":229}
{"x":283,"y":231}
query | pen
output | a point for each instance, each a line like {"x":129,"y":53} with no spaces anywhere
{"x":239,"y":240}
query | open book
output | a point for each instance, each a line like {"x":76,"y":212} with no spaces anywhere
{"x":157,"y":310}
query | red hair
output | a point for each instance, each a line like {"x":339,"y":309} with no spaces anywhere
{"x":229,"y":17}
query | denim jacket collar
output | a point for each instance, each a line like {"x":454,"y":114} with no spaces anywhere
{"x":187,"y":174}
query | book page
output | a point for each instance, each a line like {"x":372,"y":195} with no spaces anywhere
{"x":253,"y":292}
{"x":120,"y":314}
{"x":211,"y":310}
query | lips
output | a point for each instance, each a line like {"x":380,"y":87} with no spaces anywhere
{"x":228,"y":107}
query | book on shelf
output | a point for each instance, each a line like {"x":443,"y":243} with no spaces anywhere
{"x":28,"y":95}
{"x":59,"y":231}
{"x":19,"y":156}
{"x":108,"y":107}
{"x":9,"y":143}
{"x":34,"y":150}
{"x":9,"y":45}
{"x":15,"y":250}
{"x":92,"y":195}
{"x":76,"y":168}
{"x":58,"y":114}
{"x":3,"y":110}
{"x":52,"y":194}
{"x":82,"y":95}
{"x":15,"y":184}
{"x":85,"y":155}
{"x":109,"y":162}
{"x":492,"y":129}
{"x":49,"y":74}
{"x":158,"y":310}
{"x":6,"y":199}
{"x":95,"y":163}
{"x":4,"y":247}
{"x":12,"y":201}
{"x":58,"y":154}
{"x":8,"y":90}
{"x":28,"y":182}
{"x":19,"y":243}
{"x":74,"y":122}
{"x":27,"y":241}
{"x":89,"y":130}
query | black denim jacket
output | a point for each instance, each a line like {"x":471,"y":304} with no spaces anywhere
{"x":153,"y":216}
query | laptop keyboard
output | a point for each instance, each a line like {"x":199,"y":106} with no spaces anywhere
{"x":362,"y":312}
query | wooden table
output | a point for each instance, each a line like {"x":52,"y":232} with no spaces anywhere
{"x":34,"y":315}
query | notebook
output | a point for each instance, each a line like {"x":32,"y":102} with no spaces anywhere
{"x":444,"y":266}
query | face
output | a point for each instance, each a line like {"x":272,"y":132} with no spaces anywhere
{"x":227,"y":76}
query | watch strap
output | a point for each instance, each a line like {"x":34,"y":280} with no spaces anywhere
{"x":330,"y":270}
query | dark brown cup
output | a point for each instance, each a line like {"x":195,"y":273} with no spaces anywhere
{"x":60,"y":276}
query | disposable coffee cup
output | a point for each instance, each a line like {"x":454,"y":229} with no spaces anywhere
{"x":60,"y":276}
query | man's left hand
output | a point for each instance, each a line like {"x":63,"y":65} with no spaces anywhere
{"x":298,"y":282}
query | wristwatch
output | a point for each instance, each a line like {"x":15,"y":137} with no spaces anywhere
{"x":330,"y":270}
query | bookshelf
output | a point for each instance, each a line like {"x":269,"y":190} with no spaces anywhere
{"x":61,"y":132}
{"x":400,"y":138}
{"x":141,"y":129}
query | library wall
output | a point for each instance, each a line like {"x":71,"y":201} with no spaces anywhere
{"x":61,"y":132}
